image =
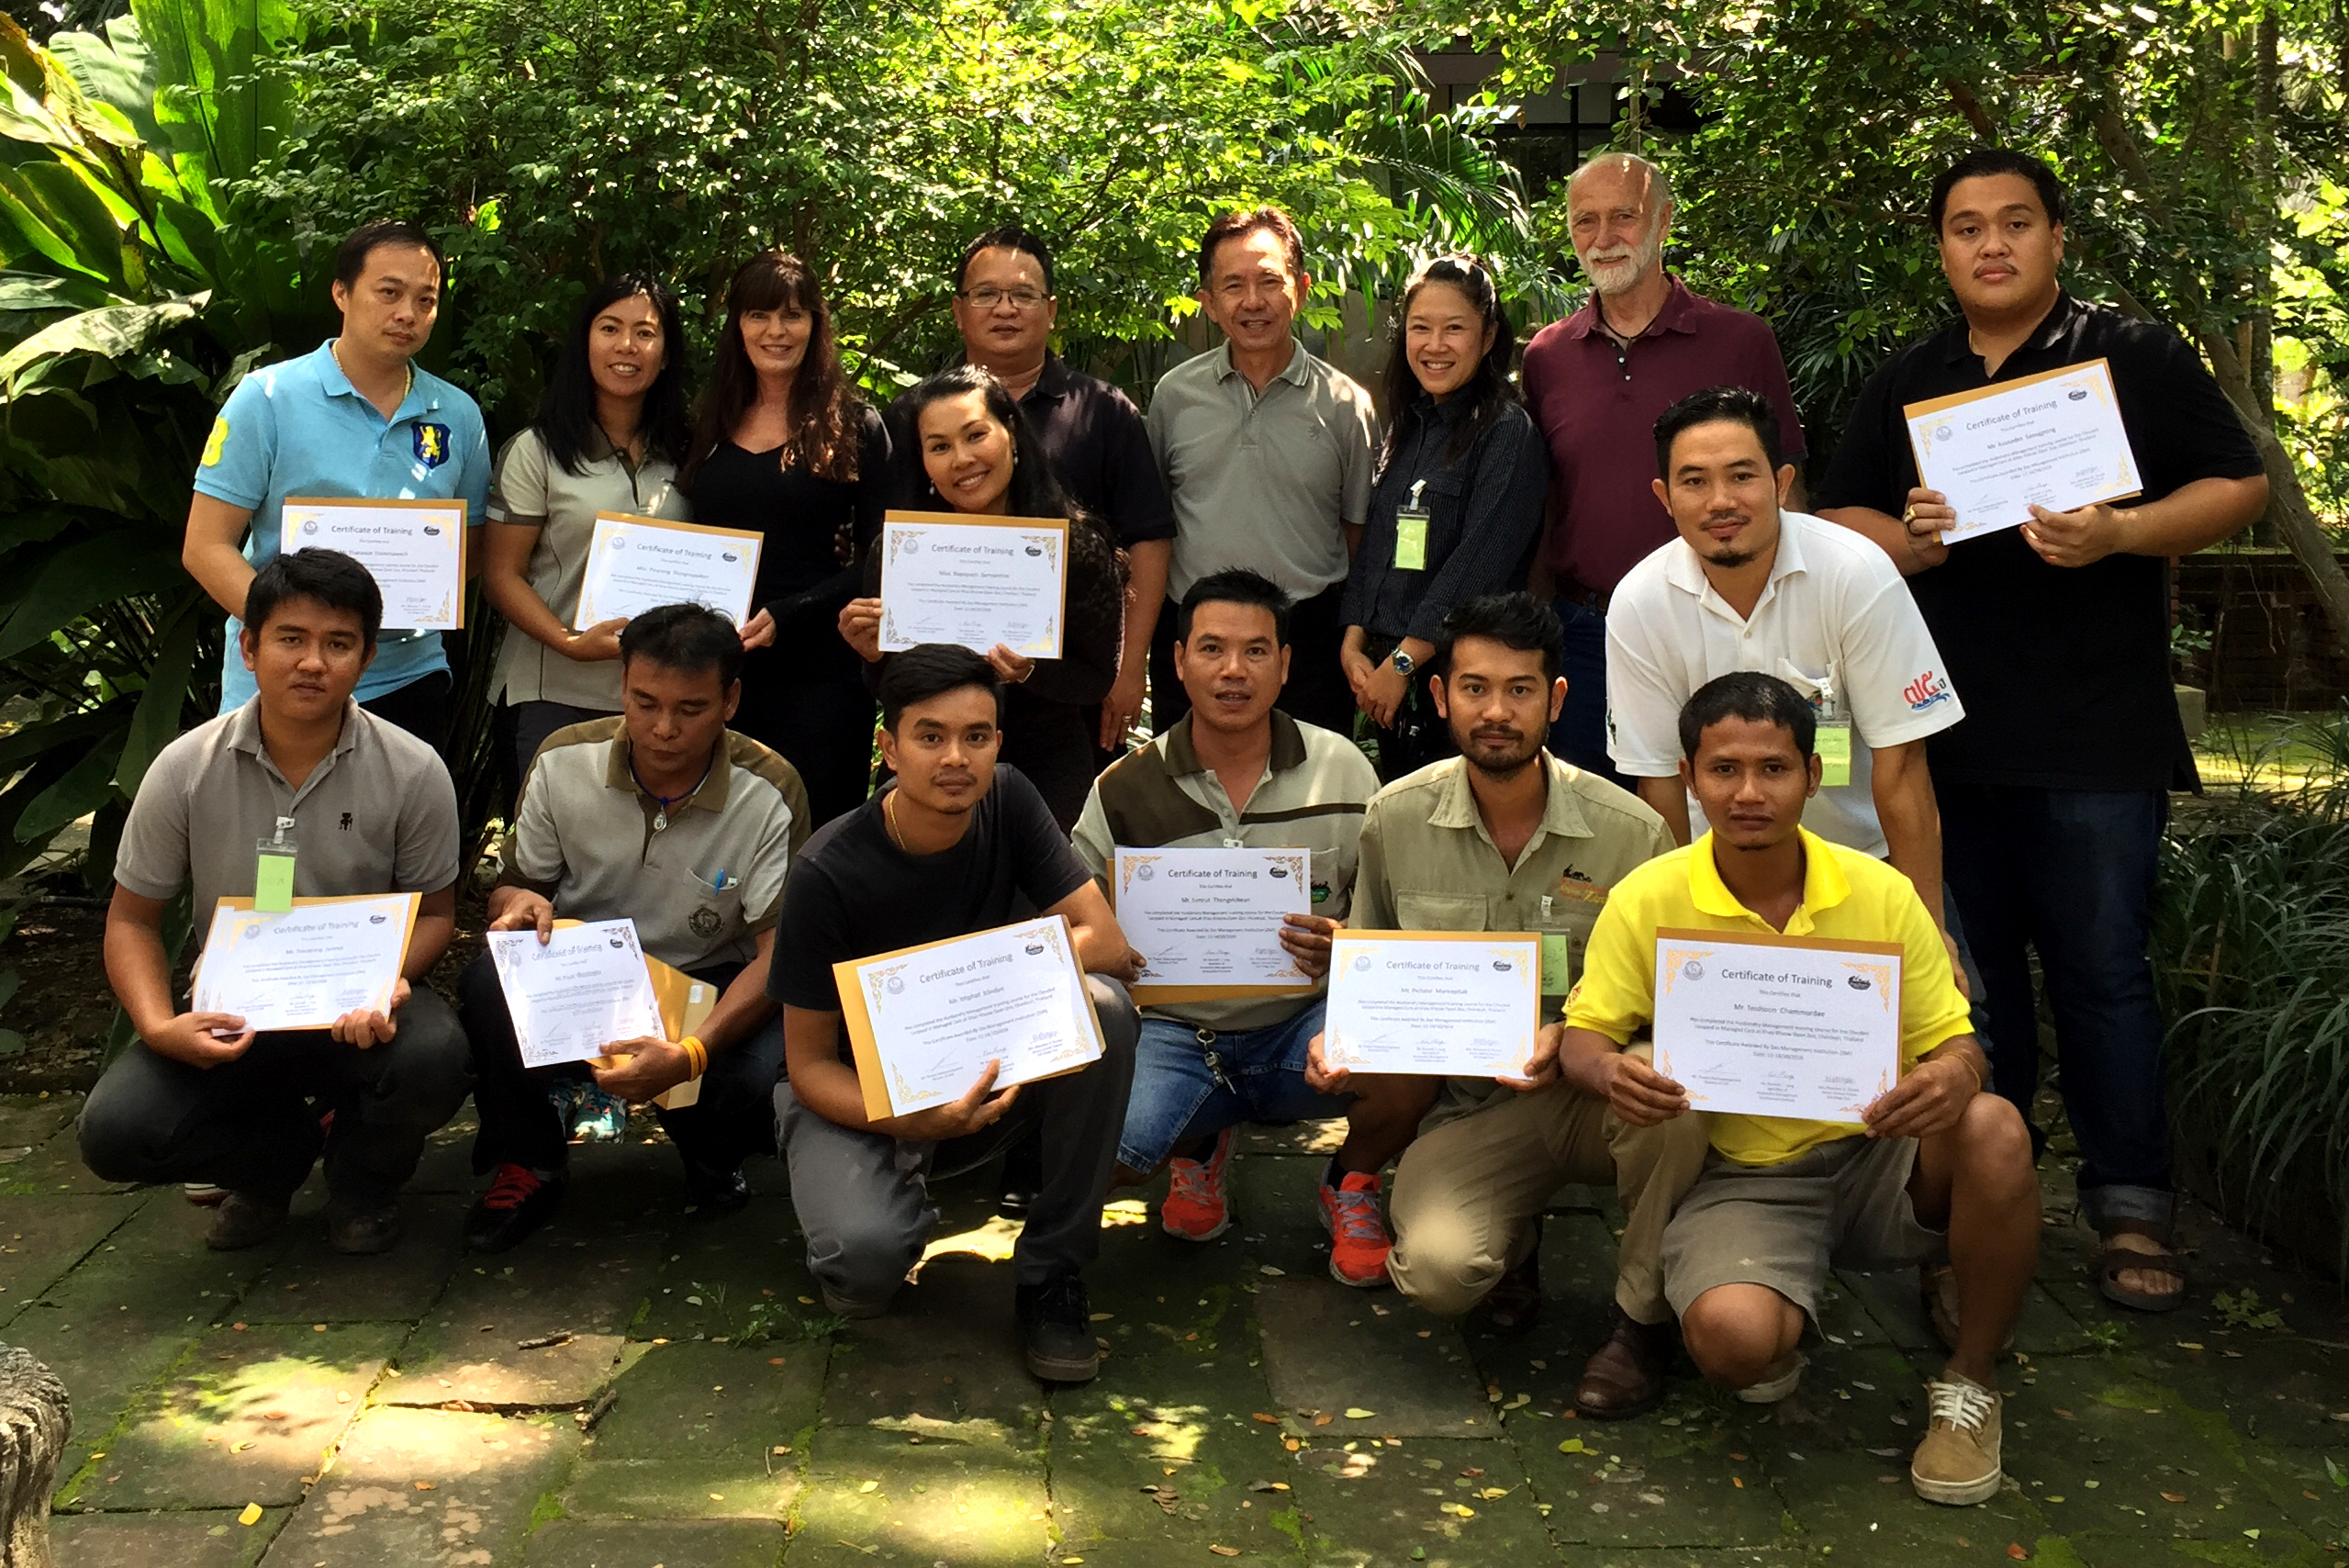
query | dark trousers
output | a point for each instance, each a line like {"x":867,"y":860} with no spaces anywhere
{"x":733,"y":1119}
{"x":519,"y":729}
{"x":2069,"y":873}
{"x":863,"y":1199}
{"x":1317,"y":692}
{"x":813,"y":709}
{"x":1580,"y":734}
{"x":421,"y":708}
{"x":248,"y":1125}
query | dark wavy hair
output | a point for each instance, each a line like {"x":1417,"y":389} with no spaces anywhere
{"x":566,"y":413}
{"x":823,"y":437}
{"x":1486,"y":391}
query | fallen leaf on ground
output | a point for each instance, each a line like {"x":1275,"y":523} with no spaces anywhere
{"x":1323,"y":1420}
{"x":1574,"y":1445}
{"x":1224,"y":1551}
{"x":251,"y":1514}
{"x":1267,"y":1420}
{"x":870,"y":1487}
{"x":1356,"y":1413}
{"x":1291,"y":1444}
{"x":2015,"y":1549}
{"x":2173,"y":1497}
{"x":426,"y":1485}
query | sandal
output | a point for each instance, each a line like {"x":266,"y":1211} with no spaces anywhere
{"x":2114,"y":1259}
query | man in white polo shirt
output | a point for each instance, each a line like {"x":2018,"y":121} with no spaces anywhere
{"x":1748,"y":586}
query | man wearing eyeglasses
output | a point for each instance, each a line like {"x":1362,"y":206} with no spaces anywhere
{"x":1092,"y":432}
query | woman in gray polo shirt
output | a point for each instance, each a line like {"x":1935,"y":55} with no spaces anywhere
{"x":610,"y":435}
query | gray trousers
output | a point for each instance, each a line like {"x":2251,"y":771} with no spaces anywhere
{"x":248,"y":1125}
{"x":864,"y":1201}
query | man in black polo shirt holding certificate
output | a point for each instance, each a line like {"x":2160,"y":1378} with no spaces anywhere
{"x":957,"y":844}
{"x":2053,"y":790}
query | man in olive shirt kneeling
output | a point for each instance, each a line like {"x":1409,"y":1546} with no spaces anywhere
{"x":1506,"y":836}
{"x":366,"y":809}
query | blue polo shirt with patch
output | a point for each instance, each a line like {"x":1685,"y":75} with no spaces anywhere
{"x":299,"y":428}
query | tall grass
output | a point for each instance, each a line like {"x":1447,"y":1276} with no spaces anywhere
{"x":2252,"y":957}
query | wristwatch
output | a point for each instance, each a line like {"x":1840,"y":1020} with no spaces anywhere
{"x":1404,"y":663}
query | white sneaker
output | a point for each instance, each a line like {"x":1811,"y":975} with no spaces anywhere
{"x":1776,"y":1384}
{"x":1958,"y":1460}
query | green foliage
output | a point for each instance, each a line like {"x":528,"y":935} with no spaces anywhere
{"x":554,"y":141}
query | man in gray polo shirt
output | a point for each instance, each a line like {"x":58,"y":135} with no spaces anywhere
{"x":1266,"y":452}
{"x":368,"y":808}
{"x":664,"y":816}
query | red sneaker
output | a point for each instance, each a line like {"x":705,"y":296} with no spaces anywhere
{"x":1197,"y":1208}
{"x":1357,"y":1232}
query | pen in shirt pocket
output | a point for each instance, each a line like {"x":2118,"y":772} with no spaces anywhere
{"x":721,"y":882}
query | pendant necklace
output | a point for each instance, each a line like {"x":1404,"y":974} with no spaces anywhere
{"x":661,"y":817}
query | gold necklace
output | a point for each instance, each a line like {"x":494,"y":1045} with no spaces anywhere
{"x":889,"y":820}
{"x":335,"y":348}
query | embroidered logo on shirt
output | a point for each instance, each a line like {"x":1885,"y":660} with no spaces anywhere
{"x":704,"y":922}
{"x":218,"y":440}
{"x":1926,"y":690}
{"x":431,"y":444}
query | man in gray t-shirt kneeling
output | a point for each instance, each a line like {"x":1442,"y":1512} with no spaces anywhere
{"x":365,"y":807}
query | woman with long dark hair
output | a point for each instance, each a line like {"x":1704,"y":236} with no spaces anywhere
{"x":785,"y":448}
{"x":1454,"y":502}
{"x":610,"y":433}
{"x":972,"y":451}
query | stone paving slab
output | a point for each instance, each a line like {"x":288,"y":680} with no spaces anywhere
{"x":251,"y":1416}
{"x":474,"y":1345}
{"x":42,"y":1238}
{"x":414,"y":1487}
{"x":1330,"y":1350}
{"x":668,"y":1544}
{"x":976,"y":1497}
{"x":702,"y":1431}
{"x":309,"y":1281}
{"x":1460,"y":1501}
{"x":209,"y":1538}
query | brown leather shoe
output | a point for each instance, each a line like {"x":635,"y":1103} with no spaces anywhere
{"x":1514,"y":1303}
{"x":1625,"y":1376}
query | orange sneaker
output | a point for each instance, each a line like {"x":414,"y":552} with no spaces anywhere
{"x":1196,"y":1207}
{"x":1357,"y":1232}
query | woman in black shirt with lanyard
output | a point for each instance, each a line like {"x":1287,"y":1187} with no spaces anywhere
{"x":786,"y":449}
{"x":1454,"y":507}
{"x":973,"y":452}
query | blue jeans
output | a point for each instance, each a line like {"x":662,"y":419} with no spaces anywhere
{"x":1256,"y":1075}
{"x":1580,"y":734}
{"x":2069,"y":873}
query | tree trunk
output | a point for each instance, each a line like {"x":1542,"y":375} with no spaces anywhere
{"x":35,"y":1420}
{"x":2288,"y":503}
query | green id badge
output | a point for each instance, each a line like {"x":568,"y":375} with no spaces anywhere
{"x":1411,"y":541}
{"x":1557,"y":965}
{"x":272,"y":879}
{"x":1834,"y":746}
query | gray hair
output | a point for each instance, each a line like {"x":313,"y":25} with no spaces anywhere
{"x":1659,"y":184}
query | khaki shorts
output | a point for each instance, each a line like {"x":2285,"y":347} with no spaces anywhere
{"x":1845,"y":1204}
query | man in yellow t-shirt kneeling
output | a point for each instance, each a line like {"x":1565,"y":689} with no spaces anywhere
{"x":1940,"y":1169}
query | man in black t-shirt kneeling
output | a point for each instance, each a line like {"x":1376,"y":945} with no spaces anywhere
{"x":957,"y":844}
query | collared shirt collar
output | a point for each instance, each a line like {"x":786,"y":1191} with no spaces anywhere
{"x":1293,"y":371}
{"x":1561,"y":809}
{"x":1679,"y":305}
{"x":423,"y":392}
{"x":244,"y":732}
{"x":711,"y":796}
{"x":1055,"y":381}
{"x":2054,"y":324}
{"x":1288,"y":747}
{"x":1684,"y":569}
{"x":1824,"y":886}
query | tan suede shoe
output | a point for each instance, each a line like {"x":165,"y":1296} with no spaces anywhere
{"x":1958,"y":1460}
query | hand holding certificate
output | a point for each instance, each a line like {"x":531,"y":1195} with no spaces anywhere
{"x":308,"y":966}
{"x":2053,"y":440}
{"x":1207,"y":921}
{"x":1791,"y":1026}
{"x":414,"y":550}
{"x":572,"y":996}
{"x":979,"y":581}
{"x":925,"y":1022}
{"x":636,"y":563}
{"x":1461,"y":1003}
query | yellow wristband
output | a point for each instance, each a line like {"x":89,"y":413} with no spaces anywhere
{"x":696,"y":1055}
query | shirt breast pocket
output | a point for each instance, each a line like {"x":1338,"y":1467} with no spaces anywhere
{"x":1442,"y":912}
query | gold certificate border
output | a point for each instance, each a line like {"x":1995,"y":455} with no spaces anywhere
{"x":1055,"y":526}
{"x":244,"y":906}
{"x":1530,"y":941}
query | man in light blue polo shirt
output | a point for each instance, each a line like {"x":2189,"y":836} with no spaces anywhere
{"x":355,"y":418}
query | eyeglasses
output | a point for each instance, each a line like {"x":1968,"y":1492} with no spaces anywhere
{"x":986,"y":296}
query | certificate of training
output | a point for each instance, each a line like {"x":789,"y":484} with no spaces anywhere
{"x":2053,"y":440}
{"x":1207,"y":921}
{"x":1462,"y":1003}
{"x":574,"y":994}
{"x":953,"y":578}
{"x":925,"y":1022}
{"x":414,"y":550}
{"x":306,"y":967}
{"x":636,"y":563}
{"x":1795,"y":1026}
